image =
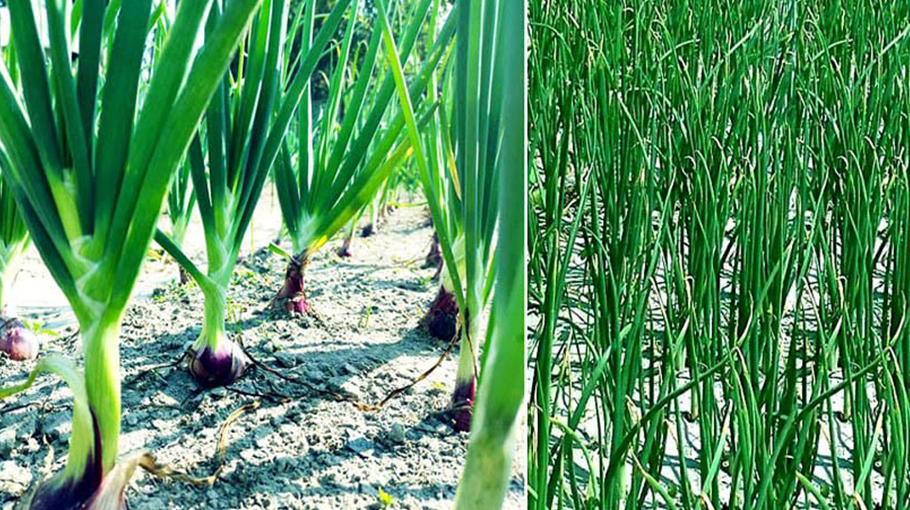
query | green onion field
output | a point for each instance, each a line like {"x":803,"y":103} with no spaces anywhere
{"x":719,"y":255}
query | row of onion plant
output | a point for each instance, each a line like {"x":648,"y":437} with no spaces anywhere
{"x":489,"y":154}
{"x":89,"y":179}
{"x":717,"y":255}
{"x":342,"y":160}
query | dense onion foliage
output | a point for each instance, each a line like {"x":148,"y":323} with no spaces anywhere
{"x":718,"y":255}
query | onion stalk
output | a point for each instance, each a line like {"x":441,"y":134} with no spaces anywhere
{"x":488,"y":466}
{"x":90,"y":186}
{"x":344,"y":251}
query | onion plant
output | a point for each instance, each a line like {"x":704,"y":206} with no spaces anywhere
{"x":487,"y":468}
{"x":442,"y":317}
{"x":379,"y":209}
{"x":229,"y":160}
{"x":89,"y":178}
{"x":372,"y":225}
{"x":181,"y":200}
{"x":16,"y":340}
{"x":344,"y":251}
{"x":478,"y":121}
{"x":339,"y":168}
{"x":717,"y":253}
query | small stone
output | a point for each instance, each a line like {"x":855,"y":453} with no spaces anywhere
{"x":396,"y":433}
{"x":361,"y":446}
{"x":163,"y":399}
{"x":353,"y":392}
{"x":218,"y":393}
{"x":349,"y":369}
